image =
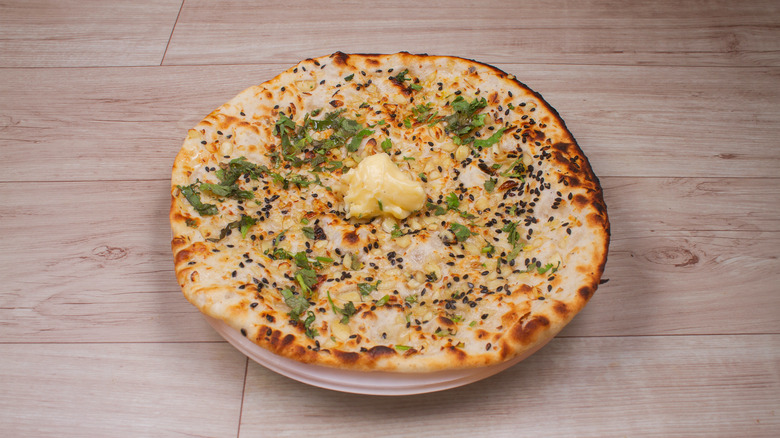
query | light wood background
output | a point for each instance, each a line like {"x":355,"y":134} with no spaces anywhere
{"x":677,"y":104}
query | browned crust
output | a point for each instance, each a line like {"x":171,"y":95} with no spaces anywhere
{"x":521,"y":334}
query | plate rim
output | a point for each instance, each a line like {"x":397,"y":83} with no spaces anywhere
{"x":356,"y":381}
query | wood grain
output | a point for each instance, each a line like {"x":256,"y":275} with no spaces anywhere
{"x":77,"y":33}
{"x":120,"y":389}
{"x":675,"y":103}
{"x":587,"y":32}
{"x":687,"y":256}
{"x":656,"y":386}
{"x":128,"y":123}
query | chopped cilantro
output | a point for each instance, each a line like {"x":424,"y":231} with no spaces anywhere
{"x":366,"y":288}
{"x":346,"y":311}
{"x":548,"y":267}
{"x":438,"y":209}
{"x":513,"y":236}
{"x":242,"y":224}
{"x":452,"y":201}
{"x":349,"y":78}
{"x":382,"y":301}
{"x":400,"y":78}
{"x":465,"y":119}
{"x":310,"y":318}
{"x":387,"y":144}
{"x":357,"y":139}
{"x":307,"y":278}
{"x":295,"y":302}
{"x":308,"y":232}
{"x":515,"y":170}
{"x":490,"y":184}
{"x":194,"y":199}
{"x":490,"y":141}
{"x":461,"y":232}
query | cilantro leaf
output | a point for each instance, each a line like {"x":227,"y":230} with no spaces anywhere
{"x":366,"y":288}
{"x":547,"y":267}
{"x":308,"y":232}
{"x":513,"y":235}
{"x":357,"y":139}
{"x":307,"y":278}
{"x":310,"y":318}
{"x":387,"y":144}
{"x":242,"y":224}
{"x":452,"y":201}
{"x":516,"y":169}
{"x":295,"y":302}
{"x":194,"y":199}
{"x":490,"y":141}
{"x":465,"y":119}
{"x":346,"y":311}
{"x":460,"y":231}
{"x":490,"y":184}
{"x":438,"y":209}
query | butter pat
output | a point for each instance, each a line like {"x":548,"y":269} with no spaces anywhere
{"x":377,"y":187}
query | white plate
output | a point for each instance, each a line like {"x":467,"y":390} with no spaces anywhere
{"x":359,"y":382}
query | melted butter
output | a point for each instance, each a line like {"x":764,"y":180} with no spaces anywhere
{"x":377,"y":187}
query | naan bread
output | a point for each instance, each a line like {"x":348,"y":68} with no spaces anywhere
{"x":476,"y":235}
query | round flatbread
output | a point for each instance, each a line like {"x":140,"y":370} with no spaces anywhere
{"x":388,"y":212}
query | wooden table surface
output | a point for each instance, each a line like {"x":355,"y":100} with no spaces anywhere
{"x":677,"y":105}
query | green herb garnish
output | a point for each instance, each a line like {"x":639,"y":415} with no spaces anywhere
{"x":490,"y":184}
{"x":367,"y":288}
{"x":295,"y":302}
{"x":346,"y":311}
{"x":194,"y":199}
{"x":310,"y":318}
{"x":490,"y":141}
{"x":465,"y":118}
{"x":461,"y":232}
{"x":387,"y":144}
{"x":452,"y":201}
{"x":242,"y":224}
